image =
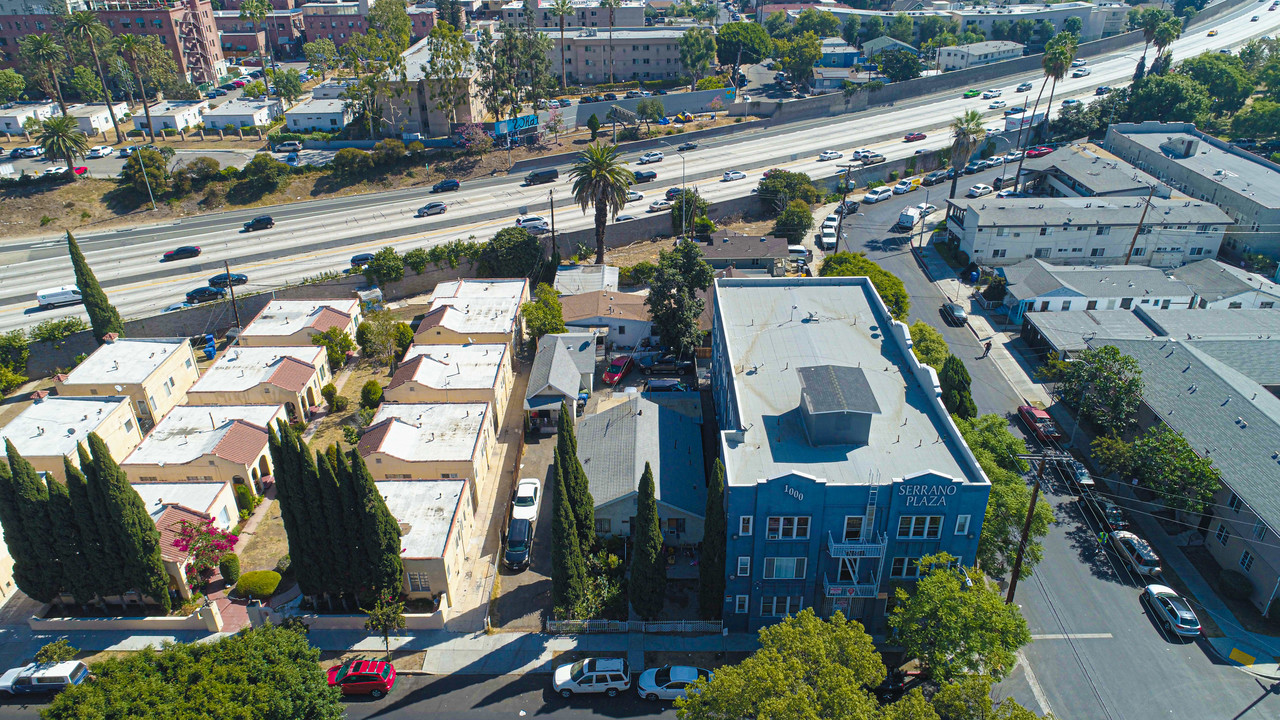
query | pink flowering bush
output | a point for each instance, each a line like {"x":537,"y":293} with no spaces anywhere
{"x":206,"y":545}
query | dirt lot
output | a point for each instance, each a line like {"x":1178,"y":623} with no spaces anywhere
{"x":329,"y":427}
{"x":268,"y":545}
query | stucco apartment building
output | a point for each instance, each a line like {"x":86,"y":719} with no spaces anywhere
{"x":465,"y":312}
{"x":961,"y":57}
{"x":1036,"y":286}
{"x":409,"y":441}
{"x":289,"y":323}
{"x":639,"y":53}
{"x":1218,"y":285}
{"x":842,"y":467}
{"x":453,"y":374}
{"x":436,"y":517}
{"x":94,"y":118}
{"x":52,"y":429}
{"x":586,"y":13}
{"x":409,"y":103}
{"x":289,"y":376}
{"x":13,"y":115}
{"x":174,"y":115}
{"x":170,"y":505}
{"x":622,"y":317}
{"x":202,"y":444}
{"x":155,"y":373}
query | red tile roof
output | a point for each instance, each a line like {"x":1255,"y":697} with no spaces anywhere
{"x":371,"y":440}
{"x":432,"y":319}
{"x":406,"y":371}
{"x":169,"y":525}
{"x":292,"y":374}
{"x":242,"y":443}
{"x":329,"y":318}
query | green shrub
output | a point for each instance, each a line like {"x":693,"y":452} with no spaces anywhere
{"x":283,"y":564}
{"x":339,"y":404}
{"x":244,"y":497}
{"x":639,"y":274}
{"x":351,"y":434}
{"x":230,"y":568}
{"x":371,"y":394}
{"x":258,"y":584}
{"x":1234,"y":585}
{"x":893,"y":176}
{"x":299,"y":426}
{"x":874,"y":184}
{"x":329,"y":392}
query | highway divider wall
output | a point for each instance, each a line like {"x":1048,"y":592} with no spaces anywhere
{"x":664,"y":143}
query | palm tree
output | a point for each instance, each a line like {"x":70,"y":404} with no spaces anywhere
{"x":1148,"y":21}
{"x":1056,"y":62}
{"x":600,"y":180}
{"x":61,"y":138}
{"x":257,"y":11}
{"x":966,"y":133}
{"x":562,"y":9}
{"x":131,"y":48}
{"x":1168,"y":31}
{"x":85,"y":25}
{"x":44,"y":50}
{"x":611,"y":5}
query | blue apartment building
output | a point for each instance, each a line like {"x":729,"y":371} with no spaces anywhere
{"x":842,"y":466}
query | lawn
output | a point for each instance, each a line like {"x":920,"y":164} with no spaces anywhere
{"x":268,"y":544}
{"x":329,"y":428}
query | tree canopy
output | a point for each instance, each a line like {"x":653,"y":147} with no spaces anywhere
{"x":1105,"y":385}
{"x":543,"y":314}
{"x":888,"y":285}
{"x":673,"y":300}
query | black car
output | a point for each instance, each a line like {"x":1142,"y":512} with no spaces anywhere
{"x":935,"y":177}
{"x":226,"y":280}
{"x":673,"y":193}
{"x":610,"y":97}
{"x":15,"y":153}
{"x":644,"y":176}
{"x":665,"y":363}
{"x":182,"y":253}
{"x":205,"y":294}
{"x":519,"y":541}
{"x":446,"y":186}
{"x":955,"y":314}
{"x":227,"y":86}
{"x":262,"y":222}
{"x":359,"y":261}
{"x":685,"y":147}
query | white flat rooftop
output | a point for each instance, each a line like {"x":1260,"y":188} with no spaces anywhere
{"x":190,"y":432}
{"x":476,"y":306}
{"x":428,"y":508}
{"x":197,"y":496}
{"x":55,"y":425}
{"x":428,"y":432}
{"x":456,"y":366}
{"x":774,"y":326}
{"x":241,"y":368}
{"x":281,"y":318}
{"x":509,"y":289}
{"x":124,"y":361}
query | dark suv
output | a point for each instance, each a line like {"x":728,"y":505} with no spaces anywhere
{"x":262,"y":222}
{"x":936,"y":177}
{"x":665,"y":364}
{"x":519,"y":541}
{"x":446,"y":186}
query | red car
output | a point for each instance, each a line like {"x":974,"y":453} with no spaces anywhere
{"x":363,"y":677}
{"x":618,"y":369}
{"x":239,"y":83}
{"x":912,"y":137}
{"x":1040,"y":423}
{"x":1041,"y":151}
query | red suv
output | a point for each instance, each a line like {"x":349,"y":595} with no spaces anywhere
{"x":363,"y":677}
{"x":620,"y":366}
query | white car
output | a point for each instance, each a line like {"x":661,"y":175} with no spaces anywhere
{"x":652,"y":156}
{"x":101,"y":151}
{"x":905,"y":186}
{"x":884,"y":192}
{"x":978,"y":190}
{"x":862,"y":153}
{"x":830,"y":155}
{"x":828,"y":239}
{"x":988,"y":94}
{"x":1012,"y":155}
{"x":1081,"y":72}
{"x":634,"y":196}
{"x":1007,"y":193}
{"x":996,"y":104}
{"x":30,"y":152}
{"x":55,"y":170}
{"x":669,"y":681}
{"x":592,"y":675}
{"x":659,"y":205}
{"x":926,"y":209}
{"x":831,"y":221}
{"x":995,"y":160}
{"x":524,"y":506}
{"x":1079,"y":62}
{"x":525,"y":221}
{"x":733,"y":175}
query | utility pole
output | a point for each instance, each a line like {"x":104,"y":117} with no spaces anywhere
{"x":551,"y":198}
{"x":231,"y":286}
{"x":1026,"y":530}
{"x":1138,"y":230}
{"x":143,"y":168}
{"x":923,"y":212}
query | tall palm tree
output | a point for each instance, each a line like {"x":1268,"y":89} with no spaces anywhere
{"x":1148,"y":21}
{"x":257,"y":11}
{"x":1058,"y":65}
{"x":561,"y":9}
{"x":61,"y":138}
{"x":1168,"y":31}
{"x":611,"y":5}
{"x":966,"y":132}
{"x":85,"y":25}
{"x":44,"y":50}
{"x":601,"y":181}
{"x":1056,"y":62}
{"x":131,"y":48}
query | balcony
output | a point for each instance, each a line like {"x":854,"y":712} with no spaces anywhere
{"x":861,"y":548}
{"x":849,"y":589}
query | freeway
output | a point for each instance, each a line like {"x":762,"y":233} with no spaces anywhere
{"x":317,"y":236}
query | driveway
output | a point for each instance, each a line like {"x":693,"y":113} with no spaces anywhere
{"x":524,"y":598}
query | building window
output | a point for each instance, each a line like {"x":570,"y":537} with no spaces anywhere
{"x":1259,"y":531}
{"x":788,"y":527}
{"x":852,"y":528}
{"x":604,"y":525}
{"x":128,"y":425}
{"x":1234,"y":502}
{"x":1266,"y":305}
{"x":744,"y":525}
{"x":1234,"y":306}
{"x":188,"y":363}
{"x":675,"y":525}
{"x":904,"y":567}
{"x":784,"y":568}
{"x":1098,"y":252}
{"x":962,"y":525}
{"x":919,"y":527}
{"x":999,"y":253}
{"x":744,"y":566}
{"x":1066,"y":305}
{"x":1139,"y":252}
{"x":1196,"y":251}
{"x":1246,"y":561}
{"x":1223,"y":533}
{"x":780,"y":605}
{"x":418,"y":582}
{"x":1044,"y":231}
{"x":740,"y":604}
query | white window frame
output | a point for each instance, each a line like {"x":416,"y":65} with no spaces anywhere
{"x":797,"y":566}
{"x":746,"y":524}
{"x":861,"y":522}
{"x":920,"y":527}
{"x":744,"y":566}
{"x":908,"y":564}
{"x":740,"y":604}
{"x":795,"y":527}
{"x":962,"y":524}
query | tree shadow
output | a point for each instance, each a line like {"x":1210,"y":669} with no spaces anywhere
{"x":124,"y":200}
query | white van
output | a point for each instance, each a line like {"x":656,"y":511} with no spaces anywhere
{"x":53,"y":297}
{"x":909,"y":218}
{"x":798,"y":252}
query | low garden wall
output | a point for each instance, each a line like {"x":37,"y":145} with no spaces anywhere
{"x":205,"y":619}
{"x":259,"y":615}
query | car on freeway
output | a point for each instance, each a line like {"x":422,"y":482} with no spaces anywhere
{"x":686,"y":147}
{"x":669,"y":681}
{"x":363,"y":677}
{"x":181,"y":253}
{"x":1081,"y":72}
{"x":1040,"y":424}
{"x":1040,"y":151}
{"x":432,"y":208}
{"x":262,"y":222}
{"x":527,"y":220}
{"x":617,"y":369}
{"x":992,"y":93}
{"x":226,"y":280}
{"x":652,"y":156}
{"x":732,"y":175}
{"x":972,"y":93}
{"x":673,"y":193}
{"x":359,"y":261}
{"x":861,"y":153}
{"x":1253,"y":19}
{"x":996,"y":104}
{"x":1172,"y":610}
{"x":1024,"y":87}
{"x":1213,"y":33}
{"x":634,"y":196}
{"x":592,"y":675}
{"x":644,"y":176}
{"x":1079,"y":62}
{"x":44,"y":677}
{"x":659,"y":206}
{"x":100,"y":151}
{"x":1016,"y":110}
{"x":205,"y":294}
{"x":177,"y":306}
{"x":875,"y":195}
{"x":624,"y":218}
{"x":979,"y":190}
{"x":1136,"y":551}
{"x":935,"y":177}
{"x":1102,"y":90}
{"x":955,"y":314}
{"x":874,"y":158}
{"x":448,"y":185}
{"x":664,"y":364}
{"x":906,"y":185}
{"x":524,"y":503}
{"x":830,"y":155}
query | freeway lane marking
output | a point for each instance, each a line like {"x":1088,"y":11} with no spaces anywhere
{"x":1072,"y":636}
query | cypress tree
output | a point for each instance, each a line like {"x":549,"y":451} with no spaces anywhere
{"x":353,"y":522}
{"x":568,"y":573}
{"x":77,"y":574}
{"x":102,"y":314}
{"x":298,"y":508}
{"x":339,"y":566}
{"x":648,"y":587}
{"x":381,"y":532}
{"x":95,"y":526}
{"x":576,"y":483}
{"x":36,"y":570}
{"x":137,"y":533}
{"x":317,"y":550}
{"x":711,"y":561}
{"x":12,"y":518}
{"x":955,"y":382}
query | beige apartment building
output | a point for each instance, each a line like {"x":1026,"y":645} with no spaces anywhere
{"x":154,"y":372}
{"x":453,"y":374}
{"x":437,"y":516}
{"x":288,"y":376}
{"x":170,"y":504}
{"x":203,"y":444}
{"x":639,"y":53}
{"x":54,"y":427}
{"x":430,"y":441}
{"x":292,"y":323}
{"x":467,"y":312}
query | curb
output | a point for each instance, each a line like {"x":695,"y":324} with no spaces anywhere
{"x":1247,"y":669}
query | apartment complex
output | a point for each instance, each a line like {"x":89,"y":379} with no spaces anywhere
{"x":961,"y":57}
{"x":288,"y":376}
{"x":466,"y":312}
{"x":639,"y":53}
{"x":294,"y":322}
{"x":409,"y":103}
{"x":1036,"y":286}
{"x":53,"y":429}
{"x":586,"y":13}
{"x":219,"y":443}
{"x":409,"y":441}
{"x":453,"y":374}
{"x":155,"y":373}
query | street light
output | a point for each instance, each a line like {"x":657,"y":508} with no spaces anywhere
{"x":684,"y":205}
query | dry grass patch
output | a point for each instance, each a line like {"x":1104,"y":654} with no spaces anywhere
{"x":268,"y":544}
{"x":404,"y":660}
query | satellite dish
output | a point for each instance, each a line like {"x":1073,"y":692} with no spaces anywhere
{"x":119,"y":388}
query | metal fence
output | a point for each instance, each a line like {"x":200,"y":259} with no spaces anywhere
{"x":583,"y":627}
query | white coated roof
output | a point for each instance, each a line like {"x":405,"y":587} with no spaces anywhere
{"x":55,"y":425}
{"x":478,"y":306}
{"x":281,"y":318}
{"x":197,"y":496}
{"x":427,"y":432}
{"x":190,"y":432}
{"x":241,"y":368}
{"x":124,"y":361}
{"x":316,"y":106}
{"x":457,"y":366}
{"x":428,"y":508}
